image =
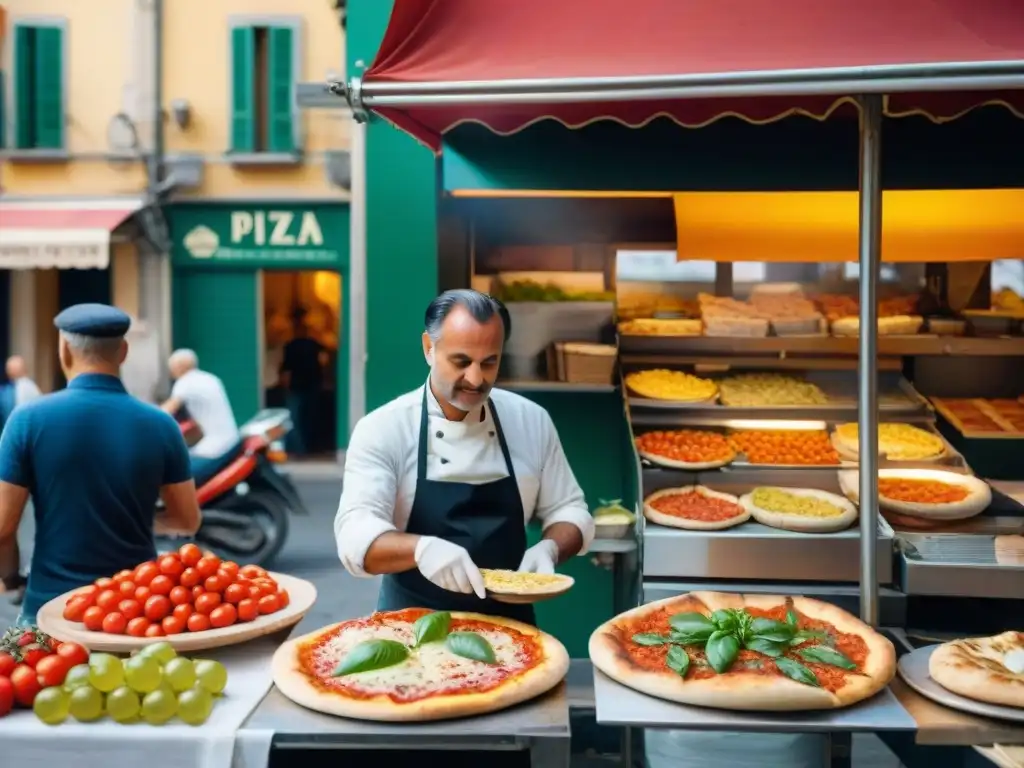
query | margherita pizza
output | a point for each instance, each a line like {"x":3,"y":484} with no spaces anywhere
{"x":417,"y":665}
{"x":745,"y":652}
{"x":695,"y":508}
{"x":988,"y":669}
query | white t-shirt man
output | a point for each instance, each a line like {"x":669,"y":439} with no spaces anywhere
{"x":207,"y":402}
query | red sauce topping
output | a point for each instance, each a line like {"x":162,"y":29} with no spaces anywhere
{"x":696,"y":506}
{"x":319,"y":666}
{"x":749,"y":662}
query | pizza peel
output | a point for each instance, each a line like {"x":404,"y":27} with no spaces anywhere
{"x":913,"y":668}
{"x":302,"y":595}
{"x":525,"y":596}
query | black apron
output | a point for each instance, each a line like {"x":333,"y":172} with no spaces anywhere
{"x":486,"y":519}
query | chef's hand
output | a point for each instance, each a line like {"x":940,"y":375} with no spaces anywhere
{"x":449,"y":566}
{"x":540,"y":558}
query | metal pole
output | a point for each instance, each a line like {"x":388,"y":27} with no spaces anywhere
{"x":156,"y":175}
{"x":357,"y":279}
{"x":870,"y":247}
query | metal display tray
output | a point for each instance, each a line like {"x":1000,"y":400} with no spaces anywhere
{"x":897,"y":398}
{"x":952,"y":459}
{"x":752,"y":550}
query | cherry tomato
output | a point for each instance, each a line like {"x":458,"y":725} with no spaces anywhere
{"x":76,"y":607}
{"x":7,"y":663}
{"x":137,"y":627}
{"x":248,"y":609}
{"x":189,"y":578}
{"x":198,"y":622}
{"x":154,"y":630}
{"x":252,"y":571}
{"x":52,"y":670}
{"x":89,"y":598}
{"x":89,"y":589}
{"x":93,"y":618}
{"x":142,"y":594}
{"x":207,"y":602}
{"x":126,"y":588}
{"x":235,"y":593}
{"x":268,"y":604}
{"x":172,"y":625}
{"x":208,"y":566}
{"x":122,"y":575}
{"x":33,"y":654}
{"x":171,"y":566}
{"x":161,"y":585}
{"x":73,"y":653}
{"x":104,"y":583}
{"x":131,"y":609}
{"x":283,"y":598}
{"x":183,"y":611}
{"x":108,"y":599}
{"x":26,"y":685}
{"x":157,"y":607}
{"x":114,"y":623}
{"x":231,"y":568}
{"x":197,"y":590}
{"x":190,"y":554}
{"x":145,"y":573}
{"x":180,"y":595}
{"x":6,"y":696}
{"x":215,"y":583}
{"x":223,"y":615}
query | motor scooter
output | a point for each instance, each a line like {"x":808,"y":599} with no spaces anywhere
{"x":247,"y":502}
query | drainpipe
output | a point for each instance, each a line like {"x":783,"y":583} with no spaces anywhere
{"x":157,"y":156}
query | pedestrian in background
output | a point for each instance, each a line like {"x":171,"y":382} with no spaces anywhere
{"x":302,"y":376}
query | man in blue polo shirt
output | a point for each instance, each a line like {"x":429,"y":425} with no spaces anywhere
{"x":94,"y":460}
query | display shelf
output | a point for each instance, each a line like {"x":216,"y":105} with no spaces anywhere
{"x":811,"y":346}
{"x":542,"y":385}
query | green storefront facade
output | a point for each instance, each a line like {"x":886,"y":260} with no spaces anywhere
{"x":220,"y":255}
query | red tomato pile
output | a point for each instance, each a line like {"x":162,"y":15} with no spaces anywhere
{"x":31,"y":660}
{"x":188,"y":591}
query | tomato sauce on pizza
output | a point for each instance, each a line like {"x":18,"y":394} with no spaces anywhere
{"x":432,"y":670}
{"x":692,"y":505}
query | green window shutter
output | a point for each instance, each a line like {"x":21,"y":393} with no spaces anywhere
{"x":24,"y":86}
{"x":280,"y":90}
{"x":243,"y":113}
{"x":49,"y":88}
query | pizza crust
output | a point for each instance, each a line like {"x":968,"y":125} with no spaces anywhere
{"x":662,"y":461}
{"x":295,"y":684}
{"x":745,"y":690}
{"x":804,"y":523}
{"x":673,"y":521}
{"x":557,"y":585}
{"x":974,"y":668}
{"x":979,"y":495}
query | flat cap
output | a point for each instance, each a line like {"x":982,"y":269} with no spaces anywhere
{"x":96,"y":320}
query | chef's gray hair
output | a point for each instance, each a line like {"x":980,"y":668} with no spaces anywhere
{"x":93,"y":348}
{"x":480,"y":306}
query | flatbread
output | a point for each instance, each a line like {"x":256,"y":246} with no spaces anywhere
{"x":432,"y":683}
{"x":978,"y":498}
{"x":624,"y":649}
{"x":804,"y":523}
{"x":689,"y":523}
{"x":988,"y":669}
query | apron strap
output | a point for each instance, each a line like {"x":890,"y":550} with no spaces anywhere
{"x":421,"y":454}
{"x":501,"y":439}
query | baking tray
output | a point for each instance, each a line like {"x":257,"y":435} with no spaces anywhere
{"x":1007,"y":432}
{"x":913,"y":668}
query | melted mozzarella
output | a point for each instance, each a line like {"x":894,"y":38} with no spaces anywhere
{"x":1014,"y":661}
{"x":429,"y":668}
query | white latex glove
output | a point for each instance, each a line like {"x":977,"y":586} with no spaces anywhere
{"x":540,"y":558}
{"x":449,"y":566}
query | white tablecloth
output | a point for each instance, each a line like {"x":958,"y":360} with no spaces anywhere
{"x":24,"y":740}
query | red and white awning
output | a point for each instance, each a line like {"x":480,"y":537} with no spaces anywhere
{"x":60,"y":234}
{"x":508,"y":65}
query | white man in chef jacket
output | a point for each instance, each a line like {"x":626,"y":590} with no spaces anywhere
{"x":443,"y":480}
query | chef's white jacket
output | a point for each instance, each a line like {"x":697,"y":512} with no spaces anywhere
{"x":380,"y":467}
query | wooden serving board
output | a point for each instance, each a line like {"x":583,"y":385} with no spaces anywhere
{"x":302,"y":595}
{"x":1006,"y":430}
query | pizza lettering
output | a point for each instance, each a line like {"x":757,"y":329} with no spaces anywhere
{"x":418,"y":665}
{"x":752,"y":652}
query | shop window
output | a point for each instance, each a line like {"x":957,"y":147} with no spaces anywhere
{"x":263,"y":107}
{"x":38,"y":84}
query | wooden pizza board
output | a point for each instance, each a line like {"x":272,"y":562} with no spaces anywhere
{"x":1006,"y":430}
{"x":520,"y":598}
{"x":302,"y":595}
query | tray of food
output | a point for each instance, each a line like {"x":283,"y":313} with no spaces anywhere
{"x":921,"y":498}
{"x":981,"y":419}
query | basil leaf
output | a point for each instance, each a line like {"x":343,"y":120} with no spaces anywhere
{"x":693,"y":624}
{"x":721,"y":650}
{"x":822,"y":654}
{"x":791,"y":618}
{"x":680,"y":638}
{"x":724,"y":619}
{"x":470,"y":645}
{"x":767,"y":647}
{"x":794,"y":670}
{"x":806,"y":635}
{"x":372,"y":655}
{"x":649,"y":638}
{"x":678,"y":660}
{"x":431,"y":627}
{"x":769,"y":629}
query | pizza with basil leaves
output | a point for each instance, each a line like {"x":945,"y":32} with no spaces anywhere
{"x":745,"y":652}
{"x":418,"y":665}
